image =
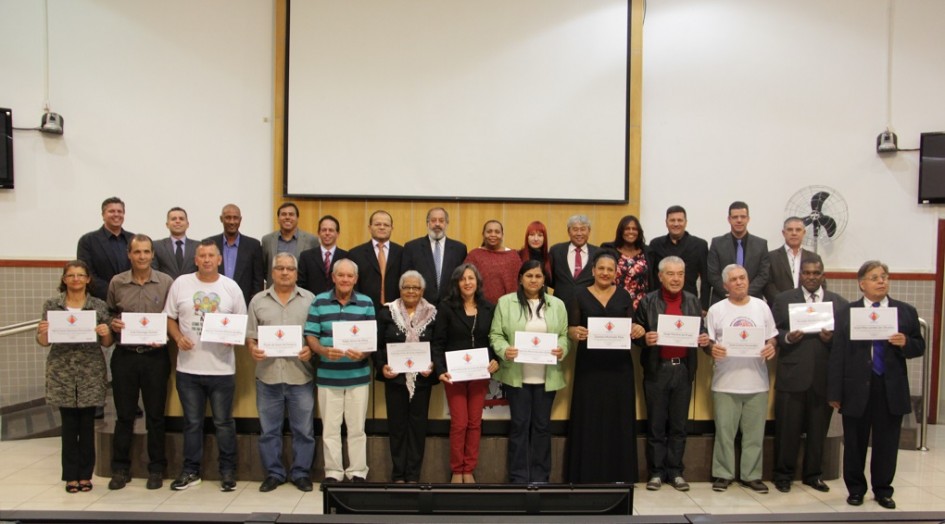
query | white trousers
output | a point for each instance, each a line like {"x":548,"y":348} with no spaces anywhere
{"x":350,"y":406}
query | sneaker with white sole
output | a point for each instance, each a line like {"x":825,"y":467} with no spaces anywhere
{"x":654,"y":484}
{"x":679,"y":483}
{"x":185,"y":480}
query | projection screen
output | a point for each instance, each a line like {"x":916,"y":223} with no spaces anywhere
{"x":485,"y":100}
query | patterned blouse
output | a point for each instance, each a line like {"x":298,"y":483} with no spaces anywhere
{"x":75,"y":373}
{"x":633,"y":275}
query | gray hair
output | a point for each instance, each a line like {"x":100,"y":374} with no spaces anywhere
{"x":445,"y":213}
{"x":412,"y":274}
{"x":672,"y":259}
{"x":727,"y":270}
{"x":334,"y":267}
{"x":285,"y":254}
{"x":574,"y":220}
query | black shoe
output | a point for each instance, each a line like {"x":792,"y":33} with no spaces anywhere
{"x":155,"y":480}
{"x":755,"y":485}
{"x":119,"y":479}
{"x":784,"y":486}
{"x":270,"y":484}
{"x":855,"y":500}
{"x":330,"y":480}
{"x":817,"y":484}
{"x":185,"y":480}
{"x":99,"y":412}
{"x":228,"y":481}
{"x":886,"y":502}
{"x":358,"y":480}
{"x":721,"y":484}
{"x":303,"y":483}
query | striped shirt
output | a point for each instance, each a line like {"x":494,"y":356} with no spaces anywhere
{"x":324,"y":311}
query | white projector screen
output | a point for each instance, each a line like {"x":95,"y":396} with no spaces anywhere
{"x":458,"y":99}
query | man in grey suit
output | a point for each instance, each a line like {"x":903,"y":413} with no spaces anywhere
{"x":434,"y":255}
{"x":174,"y":255}
{"x":800,"y":398}
{"x":786,"y":260}
{"x":738,"y":246}
{"x":288,"y":239}
{"x":571,"y":261}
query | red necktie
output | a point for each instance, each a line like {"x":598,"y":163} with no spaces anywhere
{"x":327,"y":263}
{"x":578,"y":263}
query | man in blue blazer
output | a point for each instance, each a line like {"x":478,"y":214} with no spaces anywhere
{"x":420,"y":254}
{"x":105,"y":250}
{"x":869,"y":383}
{"x":174,"y":255}
{"x":242,"y":255}
{"x":738,"y":246}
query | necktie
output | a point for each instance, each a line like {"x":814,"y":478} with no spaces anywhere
{"x":328,"y":264}
{"x":813,"y":297}
{"x":179,"y":255}
{"x":382,"y":263}
{"x":879,"y":354}
{"x":437,"y":261}
{"x":739,"y":253}
{"x":578,"y":263}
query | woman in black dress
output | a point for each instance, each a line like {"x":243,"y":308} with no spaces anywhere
{"x":602,"y":440}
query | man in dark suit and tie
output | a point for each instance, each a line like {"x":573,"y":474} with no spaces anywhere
{"x":315,"y":264}
{"x":786,"y":260}
{"x":571,"y":261}
{"x":738,"y":246}
{"x":800,"y":399}
{"x":379,"y":261}
{"x":105,"y":250}
{"x":287,"y":239}
{"x":869,"y":383}
{"x":174,"y":255}
{"x":434,"y":256}
{"x":242,"y":255}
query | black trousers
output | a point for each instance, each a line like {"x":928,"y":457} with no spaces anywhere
{"x":795,"y":413}
{"x":407,"y":429}
{"x":78,"y":443}
{"x":667,"y":406}
{"x":885,"y":428}
{"x":146,"y":373}
{"x":529,"y":433}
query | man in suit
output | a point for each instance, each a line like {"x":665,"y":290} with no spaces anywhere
{"x":693,"y":250}
{"x":379,"y":261}
{"x":571,"y":261}
{"x":800,"y":398}
{"x":434,"y":256}
{"x":786,"y":260}
{"x":315,"y":263}
{"x":105,"y":250}
{"x":288,"y":239}
{"x":242,"y":258}
{"x":174,"y":255}
{"x":738,"y":246}
{"x":869,"y":383}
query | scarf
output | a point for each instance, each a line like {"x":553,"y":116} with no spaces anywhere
{"x":412,"y":328}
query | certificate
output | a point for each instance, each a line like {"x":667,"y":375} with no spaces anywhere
{"x":71,"y":327}
{"x":409,"y":357}
{"x":359,"y":335}
{"x":677,"y":330}
{"x":280,"y":341}
{"x":743,"y":341}
{"x":468,"y":364}
{"x":225,"y":328}
{"x":811,"y":317}
{"x":873,"y":323}
{"x":608,"y":333}
{"x":144,"y":328}
{"x":535,"y":348}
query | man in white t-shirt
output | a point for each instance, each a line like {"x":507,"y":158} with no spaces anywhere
{"x":739,"y":383}
{"x":205,"y":370}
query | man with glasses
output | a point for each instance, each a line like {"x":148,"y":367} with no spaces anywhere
{"x":869,"y":383}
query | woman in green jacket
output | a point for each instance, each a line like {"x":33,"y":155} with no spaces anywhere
{"x":530,"y":388}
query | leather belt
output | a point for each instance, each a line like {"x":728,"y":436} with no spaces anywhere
{"x":675,"y":361}
{"x":139,"y":349}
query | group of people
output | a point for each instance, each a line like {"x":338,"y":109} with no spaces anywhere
{"x":434,"y":290}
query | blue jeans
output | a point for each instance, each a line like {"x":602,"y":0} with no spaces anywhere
{"x":272,"y":402}
{"x":530,"y":433}
{"x":194,"y":390}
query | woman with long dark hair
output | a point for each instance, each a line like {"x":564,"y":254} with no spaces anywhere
{"x":633,"y":266}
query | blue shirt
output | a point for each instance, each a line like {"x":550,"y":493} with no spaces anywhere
{"x":229,"y":256}
{"x":326,"y":310}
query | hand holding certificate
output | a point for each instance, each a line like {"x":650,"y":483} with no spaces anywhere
{"x":280,"y":341}
{"x":811,"y":317}
{"x":359,"y":335}
{"x":71,"y":327}
{"x":873,"y":323}
{"x":536,"y":348}
{"x":467,"y":364}
{"x":408,"y":357}
{"x":144,"y":329}
{"x":224,"y":328}
{"x":676,"y":330}
{"x":608,"y":333}
{"x":743,"y":342}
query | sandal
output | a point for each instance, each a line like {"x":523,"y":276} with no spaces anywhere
{"x":72,"y":486}
{"x":85,"y":485}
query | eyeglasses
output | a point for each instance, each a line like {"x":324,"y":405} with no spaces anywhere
{"x":284,"y":268}
{"x":879,"y":278}
{"x":411,"y":288}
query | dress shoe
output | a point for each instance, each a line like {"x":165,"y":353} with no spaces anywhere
{"x":755,"y":485}
{"x":721,"y":484}
{"x":817,"y":484}
{"x":886,"y":502}
{"x":155,"y":480}
{"x":855,"y":500}
{"x":119,"y":479}
{"x":269,"y":484}
{"x":357,"y":480}
{"x":303,"y":484}
{"x":330,"y":480}
{"x":784,"y":486}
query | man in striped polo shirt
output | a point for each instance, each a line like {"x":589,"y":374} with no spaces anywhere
{"x":343,"y":376}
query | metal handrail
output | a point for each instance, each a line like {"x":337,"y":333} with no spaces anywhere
{"x":926,"y":386}
{"x":20,"y":327}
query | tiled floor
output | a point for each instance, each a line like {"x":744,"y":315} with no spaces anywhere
{"x":29,"y":479}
